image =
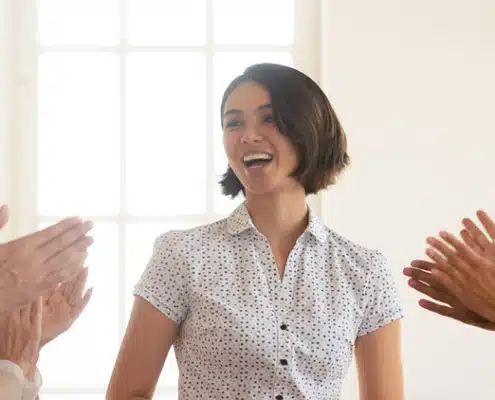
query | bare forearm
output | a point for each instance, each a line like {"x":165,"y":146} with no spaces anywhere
{"x":119,"y":392}
{"x":379,"y":364}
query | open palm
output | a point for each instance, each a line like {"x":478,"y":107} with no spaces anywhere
{"x":63,"y":306}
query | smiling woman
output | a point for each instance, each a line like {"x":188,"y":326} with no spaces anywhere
{"x":267,"y":302}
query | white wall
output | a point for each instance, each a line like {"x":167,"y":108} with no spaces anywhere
{"x":6,"y":105}
{"x":414,"y":85}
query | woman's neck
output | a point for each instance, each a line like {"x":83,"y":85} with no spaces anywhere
{"x":281,"y":217}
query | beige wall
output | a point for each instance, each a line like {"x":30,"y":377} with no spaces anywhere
{"x":414,"y":85}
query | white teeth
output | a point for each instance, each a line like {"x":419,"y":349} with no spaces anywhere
{"x":257,"y":156}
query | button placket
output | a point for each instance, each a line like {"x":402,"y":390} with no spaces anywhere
{"x":284,"y":334}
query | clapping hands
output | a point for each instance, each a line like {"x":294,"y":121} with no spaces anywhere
{"x":460,"y":275}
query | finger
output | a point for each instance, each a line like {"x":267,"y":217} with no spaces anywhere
{"x":419,"y":275}
{"x":68,"y":286}
{"x":476,"y":233}
{"x":75,"y":254}
{"x":440,"y":259}
{"x":441,"y":247}
{"x":79,"y":283}
{"x":431,"y":292}
{"x":37,"y":317}
{"x":439,"y":262}
{"x":4,"y":216}
{"x":12,"y":324}
{"x":465,"y":235}
{"x":43,"y":236}
{"x":47,"y":296}
{"x":15,"y":316}
{"x":466,"y":259}
{"x":464,"y":254}
{"x":70,"y":241}
{"x":453,"y":313}
{"x":25,"y":314}
{"x":445,"y":279}
{"x":81,"y":305}
{"x":487,"y":223}
{"x":448,"y":283}
{"x":57,"y":277}
{"x":445,"y":311}
{"x":422,"y":264}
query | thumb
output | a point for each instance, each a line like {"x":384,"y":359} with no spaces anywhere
{"x":4,"y":216}
{"x":37,"y":318}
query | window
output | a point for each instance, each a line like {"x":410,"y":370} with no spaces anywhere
{"x":119,"y":122}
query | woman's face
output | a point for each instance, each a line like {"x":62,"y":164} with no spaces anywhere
{"x":261,"y":157}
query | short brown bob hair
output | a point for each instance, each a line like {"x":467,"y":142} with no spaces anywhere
{"x":303,"y":113}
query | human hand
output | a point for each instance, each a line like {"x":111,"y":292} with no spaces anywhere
{"x":63,"y":306}
{"x":4,"y":216}
{"x":36,"y":263}
{"x":466,"y":274}
{"x":20,"y":335}
{"x":423,"y":281}
{"x":474,"y":237}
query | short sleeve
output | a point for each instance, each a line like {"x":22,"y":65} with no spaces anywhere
{"x":164,"y":283}
{"x":381,"y":300}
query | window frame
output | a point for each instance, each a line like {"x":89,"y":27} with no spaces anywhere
{"x":21,"y":143}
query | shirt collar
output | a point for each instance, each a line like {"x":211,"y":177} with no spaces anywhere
{"x":240,"y":221}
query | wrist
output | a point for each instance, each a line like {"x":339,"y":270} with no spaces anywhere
{"x":29,"y":367}
{"x":31,"y":372}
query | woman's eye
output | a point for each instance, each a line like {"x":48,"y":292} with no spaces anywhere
{"x":269,"y":119}
{"x":233,"y":124}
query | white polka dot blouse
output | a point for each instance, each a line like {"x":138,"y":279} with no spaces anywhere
{"x":245,"y":333}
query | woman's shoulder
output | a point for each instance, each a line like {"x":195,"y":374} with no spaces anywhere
{"x":351,"y":248}
{"x":192,"y":237}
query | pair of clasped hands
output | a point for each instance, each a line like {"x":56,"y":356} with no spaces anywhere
{"x":42,"y":288}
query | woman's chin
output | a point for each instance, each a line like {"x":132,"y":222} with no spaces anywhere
{"x":271,"y":188}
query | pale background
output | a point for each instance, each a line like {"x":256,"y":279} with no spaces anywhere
{"x":412,"y":82}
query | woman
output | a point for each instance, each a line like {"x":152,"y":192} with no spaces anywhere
{"x":268,"y":303}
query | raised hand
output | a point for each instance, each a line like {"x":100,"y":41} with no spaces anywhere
{"x":64,"y":305}
{"x":469,"y":276}
{"x":36,"y":263}
{"x":474,"y":237}
{"x":20,"y":336}
{"x":422,"y":280}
